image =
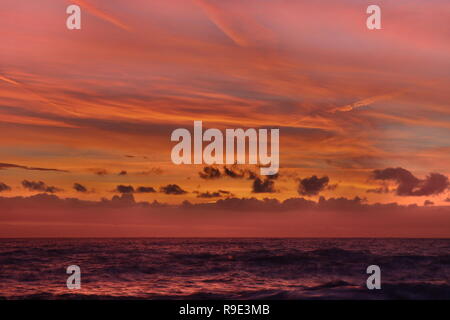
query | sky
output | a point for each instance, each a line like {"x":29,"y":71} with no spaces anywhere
{"x":87,"y":114}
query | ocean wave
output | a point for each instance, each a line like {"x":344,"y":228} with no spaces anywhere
{"x":225,"y":269}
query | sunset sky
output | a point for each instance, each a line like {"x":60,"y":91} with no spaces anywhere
{"x":88,"y":113}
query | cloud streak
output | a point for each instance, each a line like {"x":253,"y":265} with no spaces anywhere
{"x":17,"y":166}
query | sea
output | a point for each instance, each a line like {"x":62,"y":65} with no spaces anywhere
{"x":224,"y":268}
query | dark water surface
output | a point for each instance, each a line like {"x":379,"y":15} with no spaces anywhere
{"x":224,"y":268}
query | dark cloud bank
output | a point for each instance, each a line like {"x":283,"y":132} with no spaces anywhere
{"x":229,"y":203}
{"x":409,"y":185}
{"x":263,"y":186}
{"x":122,"y":216}
{"x":131,"y":189}
{"x":39,"y":186}
{"x":234,"y":172}
{"x":213,"y":194}
{"x":312,"y":186}
{"x":4,"y":187}
{"x":173,"y":189}
{"x":260,"y":184}
{"x":80,"y":188}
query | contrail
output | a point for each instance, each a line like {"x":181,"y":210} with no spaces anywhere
{"x":102,"y":15}
{"x":23,"y":87}
{"x":366,"y":102}
{"x":9,"y":80}
{"x":240,"y":28}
